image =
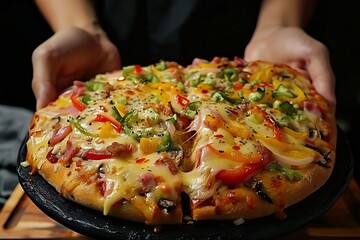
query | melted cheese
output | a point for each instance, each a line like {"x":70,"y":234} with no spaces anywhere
{"x":126,"y":182}
{"x":226,"y":136}
{"x":38,"y":147}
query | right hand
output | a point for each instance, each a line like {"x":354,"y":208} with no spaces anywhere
{"x":293,"y":46}
{"x":70,"y":54}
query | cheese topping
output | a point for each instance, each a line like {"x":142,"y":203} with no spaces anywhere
{"x":129,"y":180}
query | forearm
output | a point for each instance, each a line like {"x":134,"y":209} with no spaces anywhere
{"x":285,"y":13}
{"x":65,"y":13}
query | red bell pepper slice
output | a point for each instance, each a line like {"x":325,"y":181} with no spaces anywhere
{"x":183,"y":122}
{"x":137,"y":69}
{"x":239,"y":174}
{"x":79,"y":83}
{"x":183,"y":101}
{"x":107,"y":118}
{"x":238,"y":86}
{"x":75,"y":100}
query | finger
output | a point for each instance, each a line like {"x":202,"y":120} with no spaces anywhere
{"x":46,"y":94}
{"x":111,"y":59}
{"x":323,"y":78}
{"x":44,"y":72}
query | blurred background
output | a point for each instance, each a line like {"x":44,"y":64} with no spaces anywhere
{"x":335,"y":23}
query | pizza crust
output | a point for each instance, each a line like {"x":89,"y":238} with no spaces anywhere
{"x":244,"y":203}
{"x":89,"y":195}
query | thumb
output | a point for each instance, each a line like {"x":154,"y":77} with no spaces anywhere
{"x":44,"y":94}
{"x":323,"y":78}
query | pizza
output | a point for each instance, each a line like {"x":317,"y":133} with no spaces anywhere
{"x":220,"y":139}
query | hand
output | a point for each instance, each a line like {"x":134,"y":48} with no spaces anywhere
{"x":70,"y":54}
{"x":292,"y":46}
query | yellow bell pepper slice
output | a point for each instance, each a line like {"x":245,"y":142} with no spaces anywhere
{"x":121,"y":109}
{"x":149,"y":145}
{"x":233,"y":127}
{"x":208,"y":65}
{"x":297,"y":135}
{"x":107,"y":131}
{"x":299,"y":94}
{"x":264,"y":75}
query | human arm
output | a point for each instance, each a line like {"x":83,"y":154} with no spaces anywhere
{"x":279,"y":37}
{"x":78,"y":49}
{"x":69,"y":13}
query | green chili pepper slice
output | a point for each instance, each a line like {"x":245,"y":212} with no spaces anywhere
{"x":125,"y":122}
{"x":86,"y":99}
{"x":219,"y":95}
{"x":116,"y":114}
{"x":289,"y":173}
{"x":166,"y":142}
{"x":257,"y":95}
{"x":283,"y":91}
{"x":287,"y":108}
{"x":191,"y":109}
{"x":229,"y":74}
{"x":75,"y":122}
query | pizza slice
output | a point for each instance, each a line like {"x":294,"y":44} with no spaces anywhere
{"x":264,"y":143}
{"x":110,"y":144}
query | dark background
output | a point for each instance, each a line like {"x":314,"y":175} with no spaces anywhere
{"x":335,"y":23}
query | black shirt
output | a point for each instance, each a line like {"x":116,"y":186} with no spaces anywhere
{"x":146,"y":31}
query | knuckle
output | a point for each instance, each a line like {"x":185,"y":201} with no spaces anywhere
{"x":44,"y":52}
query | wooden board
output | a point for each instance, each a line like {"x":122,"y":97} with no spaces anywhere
{"x":20,"y":219}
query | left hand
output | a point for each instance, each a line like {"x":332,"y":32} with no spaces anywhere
{"x":292,"y":46}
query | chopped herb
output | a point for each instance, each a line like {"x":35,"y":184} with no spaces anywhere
{"x":94,"y":86}
{"x":161,"y":65}
{"x":229,"y":74}
{"x":86,"y":99}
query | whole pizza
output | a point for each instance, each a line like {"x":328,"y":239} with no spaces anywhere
{"x":220,"y":139}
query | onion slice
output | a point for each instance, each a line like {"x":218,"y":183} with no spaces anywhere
{"x":290,"y":153}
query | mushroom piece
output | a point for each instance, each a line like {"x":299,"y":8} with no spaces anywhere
{"x":177,"y":153}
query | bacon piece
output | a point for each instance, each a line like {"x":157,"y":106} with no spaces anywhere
{"x":100,"y":182}
{"x":147,"y":182}
{"x":60,"y":134}
{"x":108,"y":87}
{"x":240,"y":62}
{"x":168,"y":161}
{"x":164,"y":109}
{"x":70,"y":152}
{"x":118,"y":149}
{"x":51,"y":157}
